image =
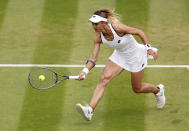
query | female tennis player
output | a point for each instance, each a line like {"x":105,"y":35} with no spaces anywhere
{"x":128,"y":55}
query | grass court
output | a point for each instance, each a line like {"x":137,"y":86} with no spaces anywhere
{"x":57,"y":32}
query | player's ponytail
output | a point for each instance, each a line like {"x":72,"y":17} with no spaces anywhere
{"x":112,"y":17}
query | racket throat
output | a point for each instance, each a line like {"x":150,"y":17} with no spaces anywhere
{"x":56,"y":78}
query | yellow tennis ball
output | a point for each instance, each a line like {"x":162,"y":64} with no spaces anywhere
{"x":41,"y":77}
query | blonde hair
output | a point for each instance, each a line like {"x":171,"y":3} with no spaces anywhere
{"x":112,"y":17}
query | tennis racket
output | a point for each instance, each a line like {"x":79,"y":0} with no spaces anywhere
{"x":44,"y":78}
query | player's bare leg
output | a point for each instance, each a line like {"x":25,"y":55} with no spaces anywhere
{"x":139,"y":87}
{"x":110,"y":71}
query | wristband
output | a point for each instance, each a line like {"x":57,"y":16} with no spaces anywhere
{"x":86,"y":70}
{"x":91,"y":62}
{"x":148,"y":46}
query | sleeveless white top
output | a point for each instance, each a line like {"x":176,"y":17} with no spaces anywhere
{"x":128,"y":53}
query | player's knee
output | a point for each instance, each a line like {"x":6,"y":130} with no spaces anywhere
{"x":104,"y":79}
{"x":136,"y":89}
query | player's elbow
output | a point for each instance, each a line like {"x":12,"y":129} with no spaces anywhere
{"x":139,"y":32}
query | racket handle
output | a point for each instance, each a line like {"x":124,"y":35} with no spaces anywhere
{"x":74,"y":77}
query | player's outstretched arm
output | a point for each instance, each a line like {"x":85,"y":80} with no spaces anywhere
{"x":92,"y":60}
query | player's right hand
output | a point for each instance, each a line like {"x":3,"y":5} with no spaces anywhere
{"x":81,"y":76}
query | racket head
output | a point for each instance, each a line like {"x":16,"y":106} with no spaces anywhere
{"x":50,"y":78}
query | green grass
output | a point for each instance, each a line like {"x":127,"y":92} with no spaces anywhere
{"x":57,"y":32}
{"x":3,"y":5}
{"x":175,"y":114}
{"x":55,"y":35}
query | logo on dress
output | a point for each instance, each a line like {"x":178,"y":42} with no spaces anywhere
{"x":142,"y":65}
{"x":119,"y":41}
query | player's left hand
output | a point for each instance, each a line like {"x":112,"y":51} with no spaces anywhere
{"x":154,"y":54}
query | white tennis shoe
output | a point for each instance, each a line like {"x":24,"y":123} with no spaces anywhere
{"x":160,"y":97}
{"x":85,"y":111}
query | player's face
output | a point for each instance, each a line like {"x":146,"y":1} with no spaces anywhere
{"x":97,"y":26}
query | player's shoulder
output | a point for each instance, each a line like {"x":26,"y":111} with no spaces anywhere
{"x":97,"y":38}
{"x":119,"y":26}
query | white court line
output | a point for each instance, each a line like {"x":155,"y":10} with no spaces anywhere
{"x":50,"y":65}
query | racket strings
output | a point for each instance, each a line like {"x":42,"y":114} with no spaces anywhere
{"x":50,"y":78}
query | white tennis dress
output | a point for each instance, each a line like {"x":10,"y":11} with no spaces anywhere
{"x":128,"y":53}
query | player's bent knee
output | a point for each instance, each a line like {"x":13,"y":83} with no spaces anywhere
{"x":104,"y":79}
{"x":137,"y":89}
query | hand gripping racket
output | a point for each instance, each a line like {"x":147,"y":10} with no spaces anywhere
{"x":44,"y":78}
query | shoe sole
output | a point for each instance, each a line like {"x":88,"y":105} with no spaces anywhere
{"x":80,"y":111}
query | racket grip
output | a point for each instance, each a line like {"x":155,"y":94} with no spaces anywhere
{"x":74,"y":77}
